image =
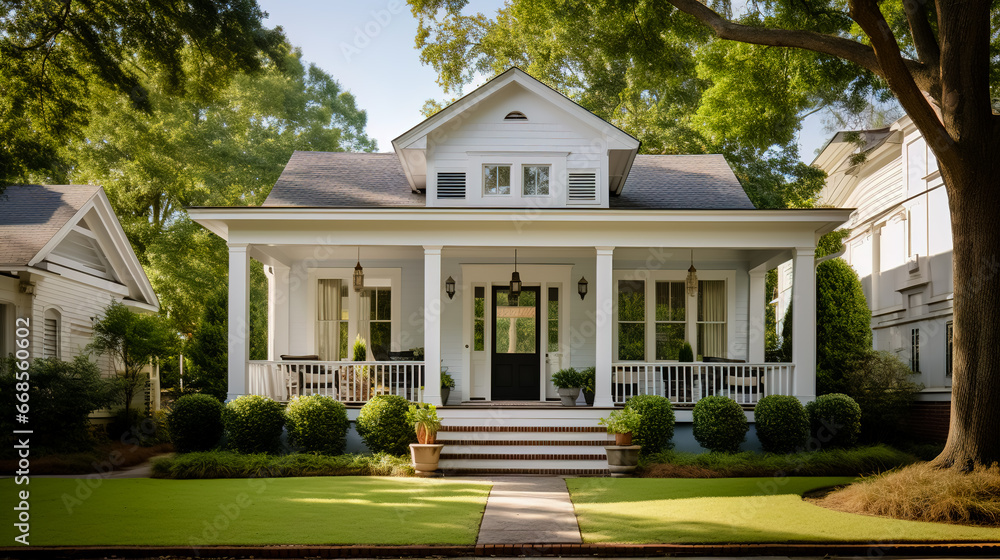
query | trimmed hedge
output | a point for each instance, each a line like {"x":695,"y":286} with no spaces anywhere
{"x":195,"y":423}
{"x":835,"y":420}
{"x":656,"y":428}
{"x":782,"y":423}
{"x":383,"y":426}
{"x":253,"y":424}
{"x":317,"y":424}
{"x":226,"y":464}
{"x":720,"y":424}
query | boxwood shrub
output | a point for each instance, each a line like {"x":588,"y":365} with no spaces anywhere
{"x":253,"y":424}
{"x":834,"y":420}
{"x":318,"y":424}
{"x":720,"y":424}
{"x":781,"y":423}
{"x":195,"y":423}
{"x":656,"y":428}
{"x":383,"y":427}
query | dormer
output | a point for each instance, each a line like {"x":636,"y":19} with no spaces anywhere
{"x":516,"y":143}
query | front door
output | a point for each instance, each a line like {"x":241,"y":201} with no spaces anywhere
{"x":516,"y":368}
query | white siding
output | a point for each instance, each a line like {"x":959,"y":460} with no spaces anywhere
{"x":78,"y":306}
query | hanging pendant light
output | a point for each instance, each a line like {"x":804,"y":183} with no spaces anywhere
{"x":359,"y":274}
{"x":691,"y":283}
{"x":515,"y":283}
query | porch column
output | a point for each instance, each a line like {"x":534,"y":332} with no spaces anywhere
{"x":804,"y":323}
{"x":604,"y":295}
{"x":239,"y":318}
{"x":755,"y":323}
{"x":432,"y":325}
{"x":277,"y":311}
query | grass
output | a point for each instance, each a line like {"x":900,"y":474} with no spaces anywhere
{"x":107,"y":457}
{"x":741,"y":510}
{"x":925,"y":493}
{"x":226,"y":464}
{"x":858,"y":461}
{"x":196,"y":513}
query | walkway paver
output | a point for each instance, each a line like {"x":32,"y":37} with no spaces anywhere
{"x":528,"y":510}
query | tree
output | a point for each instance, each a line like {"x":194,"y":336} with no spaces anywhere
{"x":131,"y":340}
{"x":843,"y":324}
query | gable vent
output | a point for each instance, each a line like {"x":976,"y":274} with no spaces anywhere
{"x":451,"y":185}
{"x":583,"y":187}
{"x":515,"y":116}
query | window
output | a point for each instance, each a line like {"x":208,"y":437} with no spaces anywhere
{"x":479,"y":320}
{"x":631,"y":320}
{"x":379,"y":322}
{"x":670,"y":320}
{"x":948,"y":332}
{"x":535,"y":180}
{"x":712,"y":318}
{"x":915,"y":350}
{"x":496,"y":179}
{"x":553,"y":345}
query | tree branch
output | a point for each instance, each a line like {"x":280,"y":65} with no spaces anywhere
{"x":923,"y":36}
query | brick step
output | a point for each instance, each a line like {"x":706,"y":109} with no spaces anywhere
{"x":525,"y":429}
{"x":529,"y":471}
{"x":524,"y":456}
{"x":529,"y":442}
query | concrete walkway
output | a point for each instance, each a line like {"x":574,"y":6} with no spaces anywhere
{"x":528,"y":510}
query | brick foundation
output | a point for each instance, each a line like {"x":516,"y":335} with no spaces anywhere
{"x":929,"y":420}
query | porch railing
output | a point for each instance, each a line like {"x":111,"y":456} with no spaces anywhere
{"x":344,"y":381}
{"x":687,"y":383}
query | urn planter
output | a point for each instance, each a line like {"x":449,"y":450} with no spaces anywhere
{"x":569,"y":395}
{"x":622,"y":459}
{"x":425,"y":457}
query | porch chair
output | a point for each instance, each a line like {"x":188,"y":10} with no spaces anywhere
{"x":308,"y":379}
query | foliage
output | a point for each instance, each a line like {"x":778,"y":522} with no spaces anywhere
{"x":781,"y":423}
{"x":588,"y":379}
{"x":687,"y":353}
{"x":317,"y":424}
{"x":195,"y":423}
{"x":656,"y":427}
{"x":447,"y":380}
{"x":359,"y":352}
{"x":568,"y":378}
{"x":61,"y":396}
{"x":843,"y":324}
{"x":884,"y":389}
{"x":424,"y":418}
{"x":859,"y":461}
{"x":834,"y":420}
{"x":624,"y":421}
{"x":226,"y":464}
{"x":253,"y":424}
{"x":131,"y":340}
{"x":719,"y":424}
{"x":383,"y":425}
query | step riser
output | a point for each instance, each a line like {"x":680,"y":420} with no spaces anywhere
{"x":449,"y":464}
{"x":452,"y":449}
{"x":523,"y":438}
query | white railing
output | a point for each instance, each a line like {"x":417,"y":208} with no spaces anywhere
{"x":687,"y":383}
{"x":344,"y":381}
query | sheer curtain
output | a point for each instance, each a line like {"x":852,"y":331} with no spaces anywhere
{"x":364,"y":321}
{"x":712,"y":318}
{"x":328,"y":319}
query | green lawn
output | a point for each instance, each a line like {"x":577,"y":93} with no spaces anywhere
{"x":315,"y":510}
{"x":735,"y":510}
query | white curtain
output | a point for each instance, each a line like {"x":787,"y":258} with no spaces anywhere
{"x":328,"y":319}
{"x":364,"y":320}
{"x":712,"y":318}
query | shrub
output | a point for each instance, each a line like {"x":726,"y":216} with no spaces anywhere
{"x":383,"y":426}
{"x":567,"y":379}
{"x":843,"y":324}
{"x":253,"y":424}
{"x":624,"y":421}
{"x":883,"y":387}
{"x":124,"y":424}
{"x":720,"y":424}
{"x":686,"y":353}
{"x":656,"y":428}
{"x":195,"y":423}
{"x":835,"y":420}
{"x":318,"y":424}
{"x":226,"y":464}
{"x":782,"y":423}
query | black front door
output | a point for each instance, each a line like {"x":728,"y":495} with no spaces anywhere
{"x":516,"y":360}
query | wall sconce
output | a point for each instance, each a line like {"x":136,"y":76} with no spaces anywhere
{"x":27,"y":288}
{"x":449,"y":287}
{"x":581,"y":287}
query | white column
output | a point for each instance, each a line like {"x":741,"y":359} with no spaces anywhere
{"x":277,"y":311}
{"x":604,"y":294}
{"x":755,"y":323}
{"x":239,"y":318}
{"x":432,"y":324}
{"x":804,"y":323}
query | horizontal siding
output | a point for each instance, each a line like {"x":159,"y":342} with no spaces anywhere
{"x":76,"y":303}
{"x":879,"y":191}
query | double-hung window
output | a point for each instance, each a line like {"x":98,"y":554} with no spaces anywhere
{"x":712,"y":318}
{"x":496,"y":179}
{"x":631,"y":320}
{"x":670,"y":319}
{"x":535,"y":180}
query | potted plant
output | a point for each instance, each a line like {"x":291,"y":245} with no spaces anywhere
{"x":425,"y":454}
{"x":568,"y":381}
{"x":447,"y":384}
{"x":623,"y":457}
{"x":588,"y":382}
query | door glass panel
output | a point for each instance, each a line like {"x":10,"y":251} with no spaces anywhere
{"x":479,"y":333}
{"x":553,"y":345}
{"x":515,"y":324}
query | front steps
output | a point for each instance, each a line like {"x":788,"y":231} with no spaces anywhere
{"x":523,"y":440}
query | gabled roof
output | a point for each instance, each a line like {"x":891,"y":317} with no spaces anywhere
{"x":350,"y":180}
{"x":30,"y":216}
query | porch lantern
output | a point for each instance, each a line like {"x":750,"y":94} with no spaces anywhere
{"x":449,"y":287}
{"x":359,"y":274}
{"x":515,"y":283}
{"x":581,"y":287}
{"x":691,"y":283}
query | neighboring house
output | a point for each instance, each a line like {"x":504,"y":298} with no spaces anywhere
{"x":900,"y":244}
{"x":63,"y":259}
{"x":603,"y":238}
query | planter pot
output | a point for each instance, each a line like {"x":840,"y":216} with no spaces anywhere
{"x":623,"y":439}
{"x":425,"y":457}
{"x":445,"y":393}
{"x":622,"y":459}
{"x":588,"y":396}
{"x":423,"y":436}
{"x":569,"y":396}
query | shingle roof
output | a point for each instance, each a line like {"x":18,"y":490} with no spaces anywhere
{"x":351,"y":180}
{"x":31,"y":214}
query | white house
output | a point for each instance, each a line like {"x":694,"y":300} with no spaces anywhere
{"x":603,"y":237}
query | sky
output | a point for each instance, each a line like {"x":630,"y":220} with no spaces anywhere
{"x":368,"y":46}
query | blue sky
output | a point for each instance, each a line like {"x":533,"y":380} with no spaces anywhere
{"x":369,"y":48}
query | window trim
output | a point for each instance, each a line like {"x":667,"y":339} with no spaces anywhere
{"x":52,"y":314}
{"x":510,"y":179}
{"x":915,"y":350}
{"x":548,"y":186}
{"x":376,"y":277}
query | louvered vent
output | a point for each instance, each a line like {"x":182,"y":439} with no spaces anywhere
{"x":583,"y":187}
{"x":450,"y":185}
{"x":50,"y":338}
{"x":515,"y":116}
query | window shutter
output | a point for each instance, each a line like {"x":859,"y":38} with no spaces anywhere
{"x":50,"y":338}
{"x":450,"y":185}
{"x":582,"y":187}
